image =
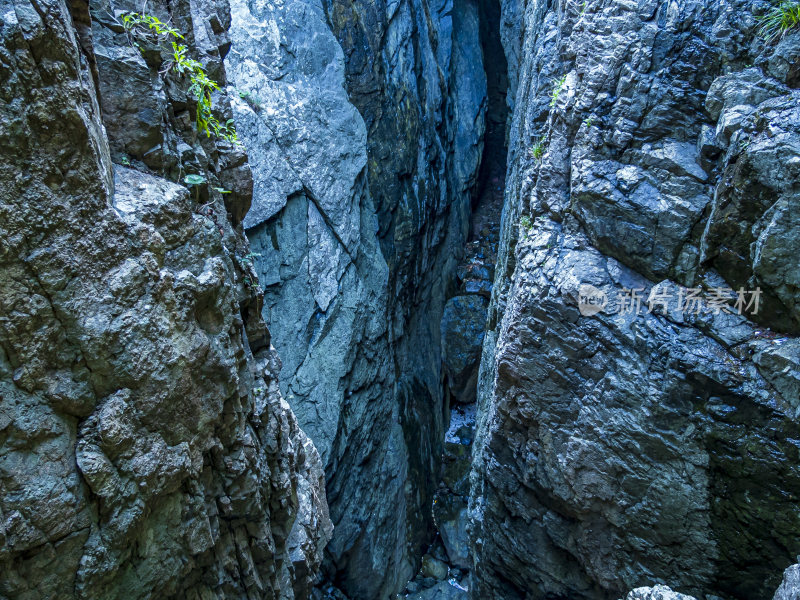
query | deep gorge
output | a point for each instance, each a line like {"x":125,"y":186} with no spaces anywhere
{"x":346,"y":353}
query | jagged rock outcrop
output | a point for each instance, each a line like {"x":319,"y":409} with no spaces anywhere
{"x":368,"y":119}
{"x":789,"y":588}
{"x":450,"y":502}
{"x":653,"y":147}
{"x":145,"y":448}
{"x":658,"y":592}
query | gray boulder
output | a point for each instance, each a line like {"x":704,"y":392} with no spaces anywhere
{"x":658,"y":592}
{"x":462,"y":331}
{"x":441,"y":591}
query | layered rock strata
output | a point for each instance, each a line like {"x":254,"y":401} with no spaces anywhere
{"x":369,"y":120}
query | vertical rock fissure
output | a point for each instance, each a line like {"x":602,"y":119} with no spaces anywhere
{"x":447,"y":562}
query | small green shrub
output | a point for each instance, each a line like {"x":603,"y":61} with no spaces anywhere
{"x":201,"y":86}
{"x":557,"y":90}
{"x":525,"y":221}
{"x":588,"y":121}
{"x":537,"y":149}
{"x":195,"y":181}
{"x":131,"y":20}
{"x":779,"y":19}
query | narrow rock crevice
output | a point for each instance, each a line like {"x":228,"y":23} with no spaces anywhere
{"x":446,"y":564}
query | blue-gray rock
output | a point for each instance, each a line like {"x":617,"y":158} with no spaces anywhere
{"x":789,"y":589}
{"x":615,"y":449}
{"x":463,"y":326}
{"x":363,"y":124}
{"x":658,"y":592}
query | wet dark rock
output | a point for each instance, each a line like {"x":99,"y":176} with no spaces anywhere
{"x":463,"y":325}
{"x":450,"y":502}
{"x":434,"y":568}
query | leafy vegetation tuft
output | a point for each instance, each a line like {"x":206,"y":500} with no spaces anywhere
{"x":252,"y":100}
{"x":779,"y":20}
{"x":201,"y":86}
{"x":557,"y":90}
{"x":537,"y":149}
{"x":133,"y":20}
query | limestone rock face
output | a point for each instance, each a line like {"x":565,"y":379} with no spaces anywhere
{"x":789,"y":588}
{"x":145,"y":448}
{"x":615,"y":448}
{"x":365,"y":121}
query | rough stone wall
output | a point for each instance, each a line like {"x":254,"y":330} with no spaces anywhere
{"x":369,"y":117}
{"x":145,"y":449}
{"x":614,"y":450}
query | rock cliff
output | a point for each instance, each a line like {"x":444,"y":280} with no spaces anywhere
{"x":621,"y":442}
{"x":145,"y":448}
{"x":234,"y":370}
{"x":369,"y":119}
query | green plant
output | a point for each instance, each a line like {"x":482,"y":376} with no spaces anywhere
{"x":126,"y":161}
{"x":246,"y":264}
{"x":251,"y":99}
{"x":246,"y":261}
{"x":779,"y":19}
{"x":525,"y":221}
{"x":196,"y":181}
{"x":221,"y":190}
{"x":588,"y":121}
{"x":201,"y":86}
{"x":537,"y":149}
{"x":130,"y":20}
{"x":557,"y":90}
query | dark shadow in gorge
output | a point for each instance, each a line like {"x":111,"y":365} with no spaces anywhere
{"x":487,"y":200}
{"x":463,"y":329}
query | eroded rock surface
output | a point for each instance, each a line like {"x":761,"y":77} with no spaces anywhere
{"x":652,"y":145}
{"x":658,"y":592}
{"x":146,"y":449}
{"x":368,"y":119}
{"x":789,"y":588}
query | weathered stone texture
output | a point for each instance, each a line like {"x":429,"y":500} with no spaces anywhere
{"x":615,"y":450}
{"x":145,"y":449}
{"x":367,"y":118}
{"x":789,"y":588}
